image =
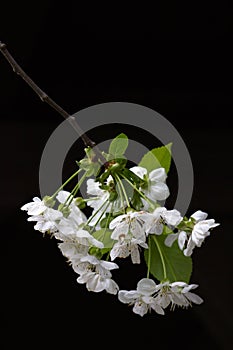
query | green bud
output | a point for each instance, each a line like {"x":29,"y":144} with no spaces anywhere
{"x":80,"y":203}
{"x":113,"y":196}
{"x":49,"y":201}
{"x":129,"y":210}
{"x":65,"y":210}
{"x":96,"y":252}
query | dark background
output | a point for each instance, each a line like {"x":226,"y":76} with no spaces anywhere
{"x":174,"y":59}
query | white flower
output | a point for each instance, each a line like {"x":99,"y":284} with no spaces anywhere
{"x":198,"y":235}
{"x":36,"y":207}
{"x":67,"y":227}
{"x":195,"y":238}
{"x":73,"y":251}
{"x":76,"y":215}
{"x":130,"y":232}
{"x":71,"y":232}
{"x":127,"y":246}
{"x":142,"y":298}
{"x":47,"y":221}
{"x":135,"y":223}
{"x":161,"y":216}
{"x":156,"y":188}
{"x":176,"y":294}
{"x":96,"y":274}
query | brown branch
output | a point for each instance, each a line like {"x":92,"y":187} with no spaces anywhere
{"x":45,"y":98}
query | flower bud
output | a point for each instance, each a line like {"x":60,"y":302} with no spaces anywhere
{"x":80,"y":203}
{"x":49,"y":201}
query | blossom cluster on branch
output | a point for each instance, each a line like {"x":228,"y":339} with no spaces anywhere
{"x":127,"y":220}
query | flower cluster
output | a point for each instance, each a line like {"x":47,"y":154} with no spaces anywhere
{"x":149,"y":296}
{"x":127,"y":220}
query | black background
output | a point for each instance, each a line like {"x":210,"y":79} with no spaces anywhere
{"x":173,"y":59}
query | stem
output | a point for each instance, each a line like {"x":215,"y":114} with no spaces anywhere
{"x":121,"y":197}
{"x":161,"y":256}
{"x":75,"y":190}
{"x":99,"y":219}
{"x":65,"y":183}
{"x":45,"y":98}
{"x":149,"y":257}
{"x":77,"y":187}
{"x":123,"y":190}
{"x":96,"y":212}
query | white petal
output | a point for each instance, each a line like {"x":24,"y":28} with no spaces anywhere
{"x":178,"y":284}
{"x":90,"y":259}
{"x":163,"y":300}
{"x":158,"y":175}
{"x":37,"y":199}
{"x":157,"y":308}
{"x":182,"y":239}
{"x":179,"y":299}
{"x":139,"y":171}
{"x":189,"y":287}
{"x":199,"y":215}
{"x":135,"y":255}
{"x":119,"y":219}
{"x":111,"y":286}
{"x":35,"y":218}
{"x":77,"y":215}
{"x":139,"y":242}
{"x":119,"y":250}
{"x":96,"y":243}
{"x":26,"y":206}
{"x":127,"y":297}
{"x":83,"y":234}
{"x":93,"y":187}
{"x":63,"y":196}
{"x":158,"y":229}
{"x":194,"y":298}
{"x":85,"y":277}
{"x":159,"y":212}
{"x":190,"y":246}
{"x":146,"y":286}
{"x":158,"y":191}
{"x":170,"y":239}
{"x":120,"y":232}
{"x":173,"y":217}
{"x":108,"y":265}
{"x":137,"y":230}
{"x":95,"y":284}
{"x":201,"y":227}
{"x":140,"y":308}
{"x":53,"y":214}
{"x":115,"y":251}
{"x":35,"y":208}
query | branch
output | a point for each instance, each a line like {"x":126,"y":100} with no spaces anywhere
{"x":45,"y":98}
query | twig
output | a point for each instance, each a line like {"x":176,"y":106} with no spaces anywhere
{"x":45,"y":98}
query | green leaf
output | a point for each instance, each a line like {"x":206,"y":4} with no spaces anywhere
{"x":167,"y":263}
{"x":156,"y":158}
{"x":104,"y":235}
{"x":118,"y":146}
